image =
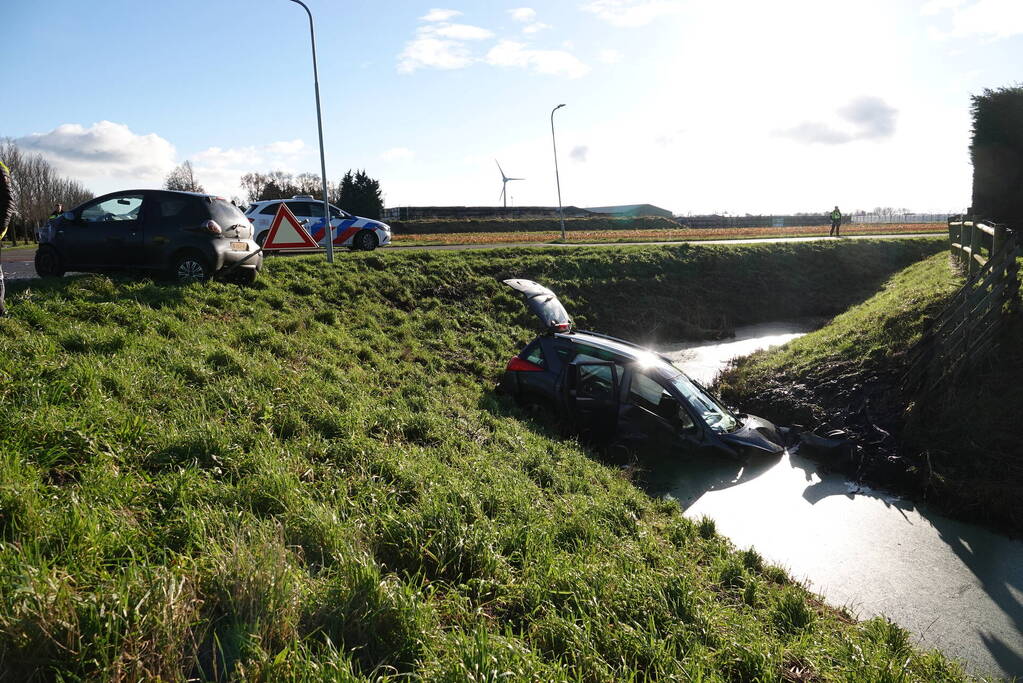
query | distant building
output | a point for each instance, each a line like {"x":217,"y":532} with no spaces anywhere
{"x":631,"y":210}
{"x":411,"y":213}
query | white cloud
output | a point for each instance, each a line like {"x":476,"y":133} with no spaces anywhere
{"x":993,"y":19}
{"x":535,"y":27}
{"x":435,"y":53}
{"x":579,"y":153}
{"x":932,"y":7}
{"x":523,"y":14}
{"x":440,"y":15}
{"x":397,"y":154}
{"x":864,"y":118}
{"x":219,"y":169}
{"x":610,"y":56}
{"x":510,"y":53}
{"x":104,"y":156}
{"x":631,"y":13}
{"x":457,"y":32}
{"x":441,"y":45}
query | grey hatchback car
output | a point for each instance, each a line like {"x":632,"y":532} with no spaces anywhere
{"x":189,"y":236}
{"x":614,"y":390}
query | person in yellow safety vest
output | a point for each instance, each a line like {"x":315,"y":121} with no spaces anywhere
{"x":836,"y":222}
{"x":6,"y":209}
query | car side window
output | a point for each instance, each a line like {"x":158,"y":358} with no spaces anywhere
{"x":647,"y":393}
{"x":304,"y":209}
{"x":123,"y":207}
{"x":535,"y":356}
{"x":269,"y":209}
{"x":174,"y":211}
{"x":595,"y":381}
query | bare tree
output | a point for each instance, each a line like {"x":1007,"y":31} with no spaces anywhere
{"x":38,"y":189}
{"x":183,"y":178}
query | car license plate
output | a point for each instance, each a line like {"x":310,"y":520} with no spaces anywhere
{"x":239,"y":246}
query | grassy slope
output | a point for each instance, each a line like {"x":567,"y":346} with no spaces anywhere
{"x":313,"y":479}
{"x":959,"y":451}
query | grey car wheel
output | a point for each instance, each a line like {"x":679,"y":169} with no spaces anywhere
{"x":366,"y":240}
{"x":48,"y":263}
{"x":191,"y":268}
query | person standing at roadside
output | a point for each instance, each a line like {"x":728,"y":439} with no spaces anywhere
{"x":836,"y":223}
{"x":6,"y":209}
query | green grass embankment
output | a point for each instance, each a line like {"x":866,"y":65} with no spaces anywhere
{"x":312,"y":479}
{"x":958,"y":449}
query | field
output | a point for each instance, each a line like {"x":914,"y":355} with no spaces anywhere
{"x":313,"y":479}
{"x":658,"y":235}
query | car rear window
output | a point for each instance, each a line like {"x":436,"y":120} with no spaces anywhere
{"x":227,"y":214}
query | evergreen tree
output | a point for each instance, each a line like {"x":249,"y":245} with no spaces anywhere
{"x":997,"y":154}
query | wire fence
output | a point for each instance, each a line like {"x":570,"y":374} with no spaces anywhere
{"x":899,"y":217}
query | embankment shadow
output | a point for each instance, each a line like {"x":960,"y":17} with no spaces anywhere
{"x":997,"y":563}
{"x":995,"y":560}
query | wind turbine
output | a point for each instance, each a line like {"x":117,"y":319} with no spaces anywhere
{"x":504,"y":183}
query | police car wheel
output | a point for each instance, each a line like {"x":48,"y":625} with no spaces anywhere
{"x":48,"y":263}
{"x":261,"y":237}
{"x":366,"y":240}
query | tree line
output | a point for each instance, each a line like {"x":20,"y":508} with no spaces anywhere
{"x":38,"y":189}
{"x":357,"y":193}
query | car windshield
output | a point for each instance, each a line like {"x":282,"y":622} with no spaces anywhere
{"x":713,"y":413}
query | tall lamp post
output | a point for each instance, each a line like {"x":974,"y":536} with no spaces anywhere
{"x":328,"y":231}
{"x":557,"y":178}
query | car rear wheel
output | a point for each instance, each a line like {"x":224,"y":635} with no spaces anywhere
{"x":261,"y":237}
{"x":190,"y":268}
{"x":366,"y":240}
{"x":48,"y":262}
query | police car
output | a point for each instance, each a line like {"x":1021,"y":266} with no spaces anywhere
{"x":350,"y":231}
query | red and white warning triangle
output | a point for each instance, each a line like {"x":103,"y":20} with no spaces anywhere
{"x":287,"y":233}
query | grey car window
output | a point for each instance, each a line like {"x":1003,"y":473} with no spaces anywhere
{"x":595,"y":380}
{"x":123,"y":207}
{"x":646,"y":392}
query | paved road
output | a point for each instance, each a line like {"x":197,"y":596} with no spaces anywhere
{"x":17,"y":263}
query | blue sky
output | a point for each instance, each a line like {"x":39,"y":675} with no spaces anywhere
{"x":732,"y":105}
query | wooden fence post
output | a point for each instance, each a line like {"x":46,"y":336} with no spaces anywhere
{"x":973,"y":249}
{"x":997,"y":240}
{"x":953,"y":238}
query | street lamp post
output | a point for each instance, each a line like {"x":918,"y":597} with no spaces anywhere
{"x":328,"y":231}
{"x":557,"y":178}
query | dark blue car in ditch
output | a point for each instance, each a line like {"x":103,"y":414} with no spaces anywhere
{"x":612,"y":390}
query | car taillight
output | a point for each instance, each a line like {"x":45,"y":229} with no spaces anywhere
{"x":252,"y":220}
{"x":516,"y":364}
{"x":562,"y":327}
{"x":212,"y":227}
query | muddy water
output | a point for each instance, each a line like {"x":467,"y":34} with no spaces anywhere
{"x":955,"y":586}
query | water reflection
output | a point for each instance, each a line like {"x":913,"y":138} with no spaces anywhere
{"x":955,"y":586}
